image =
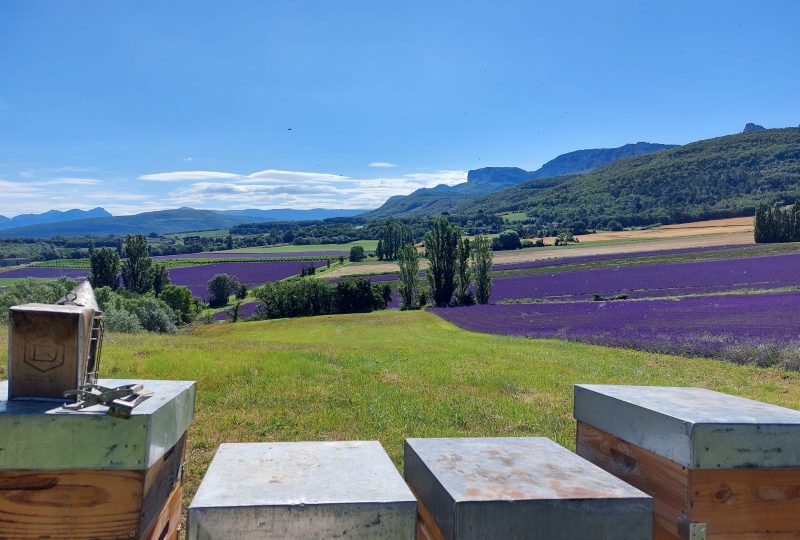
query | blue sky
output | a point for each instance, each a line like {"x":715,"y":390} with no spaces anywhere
{"x":150,"y":104}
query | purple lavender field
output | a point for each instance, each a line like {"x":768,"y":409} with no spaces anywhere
{"x":747,"y":328}
{"x":40,"y":272}
{"x":672,"y":279}
{"x":255,"y":273}
{"x":245,"y":311}
{"x":566,"y":259}
{"x":225,"y":255}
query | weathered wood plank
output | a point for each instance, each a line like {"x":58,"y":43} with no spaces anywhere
{"x":747,"y":501}
{"x":70,"y":504}
{"x":160,"y":481}
{"x":89,"y":504}
{"x":167,"y":525}
{"x":666,"y":481}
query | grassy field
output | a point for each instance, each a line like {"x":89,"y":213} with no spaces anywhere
{"x":391,"y":375}
{"x":5,"y":282}
{"x":368,"y":245}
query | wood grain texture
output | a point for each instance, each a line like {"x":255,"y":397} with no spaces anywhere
{"x":736,"y":504}
{"x":70,"y":504}
{"x":90,"y":505}
{"x":664,"y":480}
{"x":747,"y":501}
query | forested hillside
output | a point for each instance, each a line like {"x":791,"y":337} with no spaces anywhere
{"x":433,"y":201}
{"x":721,"y":177}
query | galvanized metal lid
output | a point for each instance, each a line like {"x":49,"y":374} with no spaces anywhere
{"x":302,"y":490}
{"x":37,"y":435}
{"x":695,"y":427}
{"x":521,"y":487}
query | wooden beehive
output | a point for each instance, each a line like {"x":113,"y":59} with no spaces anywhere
{"x":86,"y":475}
{"x":519,"y":488}
{"x":718,"y":466}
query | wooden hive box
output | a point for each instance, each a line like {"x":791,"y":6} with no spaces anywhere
{"x":87,"y":475}
{"x":718,"y":467}
{"x":303,"y":490}
{"x":515,"y":488}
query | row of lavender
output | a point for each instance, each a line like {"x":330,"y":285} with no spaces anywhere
{"x":195,"y":277}
{"x":763,"y":329}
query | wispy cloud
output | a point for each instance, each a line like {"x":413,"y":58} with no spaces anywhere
{"x":69,"y":182}
{"x":382,"y":164}
{"x":273,"y":188}
{"x":180,"y":176}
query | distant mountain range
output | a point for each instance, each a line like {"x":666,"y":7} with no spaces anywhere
{"x":430,"y":201}
{"x":53,"y":216}
{"x":98,"y":222}
{"x":721,"y":177}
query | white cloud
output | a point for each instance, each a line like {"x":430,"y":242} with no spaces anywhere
{"x":274,"y":188}
{"x":178,"y":176}
{"x":382,"y":164}
{"x":70,"y":182}
{"x":188,"y":158}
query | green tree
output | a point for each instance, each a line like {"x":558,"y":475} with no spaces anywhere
{"x":180,"y":300}
{"x":220,"y":288}
{"x":507,"y":240}
{"x":357,"y":254}
{"x":408,"y":259}
{"x":105,"y":267}
{"x":482,"y":268}
{"x":463,"y":274}
{"x":160,"y":277}
{"x":441,"y":243}
{"x":137,"y":269}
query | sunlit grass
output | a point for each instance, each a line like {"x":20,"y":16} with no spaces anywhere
{"x":392,"y":375}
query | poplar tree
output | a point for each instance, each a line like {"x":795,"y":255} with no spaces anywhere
{"x":408,"y":259}
{"x":137,"y":271}
{"x":105,"y":267}
{"x":463,"y":273}
{"x":482,"y":268}
{"x":441,"y":243}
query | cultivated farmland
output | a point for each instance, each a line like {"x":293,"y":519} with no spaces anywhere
{"x":251,"y":273}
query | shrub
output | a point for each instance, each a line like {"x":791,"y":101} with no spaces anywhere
{"x":180,"y":301}
{"x":506,"y":240}
{"x":155,"y":316}
{"x":357,"y":254}
{"x":220,"y":287}
{"x":119,"y":320}
{"x":33,"y":290}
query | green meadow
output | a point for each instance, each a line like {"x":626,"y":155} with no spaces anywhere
{"x":390,"y":375}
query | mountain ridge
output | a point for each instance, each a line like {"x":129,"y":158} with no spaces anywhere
{"x":720,"y":177}
{"x":51,"y":216}
{"x":182,"y":219}
{"x":442,"y":198}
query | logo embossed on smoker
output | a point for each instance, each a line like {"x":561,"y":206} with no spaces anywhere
{"x":44,"y":354}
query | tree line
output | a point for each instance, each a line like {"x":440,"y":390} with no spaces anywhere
{"x":459,"y":271}
{"x":775,"y":224}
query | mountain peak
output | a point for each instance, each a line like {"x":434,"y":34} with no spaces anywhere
{"x":752,"y":127}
